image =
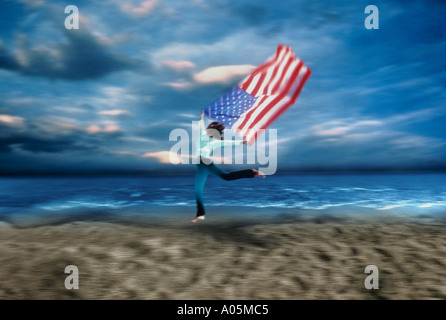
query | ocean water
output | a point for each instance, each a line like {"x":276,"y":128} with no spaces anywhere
{"x":314,"y":193}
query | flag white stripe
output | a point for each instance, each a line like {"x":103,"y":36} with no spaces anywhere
{"x":253,"y":83}
{"x":260,"y":108}
{"x":269,"y":83}
{"x":279,"y":74}
{"x":256,"y":112}
{"x":278,"y":106}
{"x":286,"y":77}
{"x":288,"y":97}
{"x":243,"y":115}
{"x":256,"y":127}
{"x":269,"y":60}
{"x":265,"y":82}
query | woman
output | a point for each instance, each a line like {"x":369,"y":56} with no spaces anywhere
{"x":211,"y":138}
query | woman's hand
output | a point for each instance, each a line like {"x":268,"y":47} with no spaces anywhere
{"x":244,"y":142}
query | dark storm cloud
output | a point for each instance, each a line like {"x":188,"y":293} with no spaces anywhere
{"x":51,"y":138}
{"x":7,"y":61}
{"x":34,"y":140}
{"x":33,"y":144}
{"x":80,"y":57}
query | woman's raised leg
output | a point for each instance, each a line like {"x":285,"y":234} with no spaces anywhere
{"x":234,"y":175}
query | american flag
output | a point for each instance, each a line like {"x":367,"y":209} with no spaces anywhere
{"x":251,"y":106}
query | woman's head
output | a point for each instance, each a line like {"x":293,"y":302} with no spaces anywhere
{"x":219,"y":127}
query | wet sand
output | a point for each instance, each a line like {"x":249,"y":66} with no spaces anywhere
{"x":321,"y":258}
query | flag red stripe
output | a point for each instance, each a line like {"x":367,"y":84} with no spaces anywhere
{"x":258,"y":84}
{"x":250,"y":112}
{"x":274,"y":81}
{"x":277,"y":99}
{"x":273,"y":76}
{"x":289,"y":103}
{"x":278,"y":62}
{"x":261,"y":68}
{"x":280,"y":82}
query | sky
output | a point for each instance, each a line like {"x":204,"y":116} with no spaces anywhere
{"x":105,"y":97}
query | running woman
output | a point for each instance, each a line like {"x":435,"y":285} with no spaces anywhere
{"x":208,"y":141}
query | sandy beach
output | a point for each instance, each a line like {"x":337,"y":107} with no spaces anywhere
{"x":321,"y":258}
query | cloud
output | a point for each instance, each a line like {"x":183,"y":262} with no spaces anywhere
{"x":166,"y":157}
{"x":349,"y":143}
{"x":109,"y":128}
{"x":7,"y":61}
{"x":41,"y":136}
{"x":416,"y":116}
{"x":223,"y":74}
{"x":114,"y":112}
{"x":342,"y":127}
{"x":53,"y":134}
{"x":54,"y":126}
{"x":116,"y":97}
{"x":180,"y":85}
{"x":411,"y":142}
{"x":11,"y":120}
{"x":144,"y":8}
{"x":81,"y":56}
{"x":219,"y":75}
{"x":383,"y":149}
{"x":178,"y":65}
{"x":333,"y":132}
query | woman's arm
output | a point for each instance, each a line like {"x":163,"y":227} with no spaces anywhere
{"x":226,"y":143}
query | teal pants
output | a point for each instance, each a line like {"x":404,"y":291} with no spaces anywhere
{"x":203,"y":170}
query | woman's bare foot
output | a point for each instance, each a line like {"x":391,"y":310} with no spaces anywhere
{"x":258,"y":173}
{"x":197,"y":219}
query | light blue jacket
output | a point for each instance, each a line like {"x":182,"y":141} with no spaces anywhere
{"x":205,"y":144}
